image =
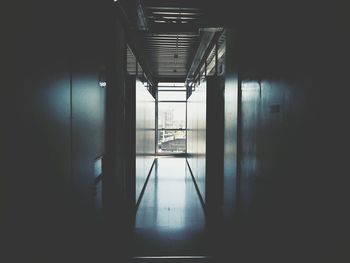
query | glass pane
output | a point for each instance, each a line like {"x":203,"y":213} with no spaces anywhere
{"x":173,"y":141}
{"x":175,"y":95}
{"x":171,"y":115}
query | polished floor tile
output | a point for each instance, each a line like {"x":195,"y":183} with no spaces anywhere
{"x":170,"y":219}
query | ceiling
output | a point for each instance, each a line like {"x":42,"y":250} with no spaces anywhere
{"x":170,"y":35}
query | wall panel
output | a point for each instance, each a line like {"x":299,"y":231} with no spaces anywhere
{"x":230,"y":128}
{"x":283,"y":127}
{"x":214,"y":145}
{"x":58,"y":131}
{"x":274,"y":173}
{"x":88,"y":113}
{"x":145,"y":134}
{"x":196,"y":134}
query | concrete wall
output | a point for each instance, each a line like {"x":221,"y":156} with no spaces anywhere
{"x":196,"y":134}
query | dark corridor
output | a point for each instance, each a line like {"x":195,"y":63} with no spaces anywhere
{"x":257,"y":171}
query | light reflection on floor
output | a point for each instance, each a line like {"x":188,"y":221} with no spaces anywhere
{"x":170,"y":218}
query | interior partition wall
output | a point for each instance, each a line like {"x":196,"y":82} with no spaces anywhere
{"x":140,"y":119}
{"x":231,"y":98}
{"x":196,"y":134}
{"x":205,"y":139}
{"x":56,"y":132}
{"x":214,"y":145}
{"x":205,"y":118}
{"x":145,"y":134}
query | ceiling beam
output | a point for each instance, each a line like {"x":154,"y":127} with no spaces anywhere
{"x":173,"y":34}
{"x":177,"y":13}
{"x":209,"y":38}
{"x":170,"y":79}
{"x":168,"y":28}
{"x":172,"y":8}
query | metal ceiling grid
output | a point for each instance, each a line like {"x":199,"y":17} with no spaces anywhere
{"x":173,"y":38}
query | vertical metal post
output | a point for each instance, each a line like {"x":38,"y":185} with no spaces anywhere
{"x":216,"y":58}
{"x":156,"y":122}
{"x":136,"y":69}
{"x":239,"y":143}
{"x":186,"y":130}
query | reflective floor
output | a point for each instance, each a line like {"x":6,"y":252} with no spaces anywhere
{"x":170,"y":219}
